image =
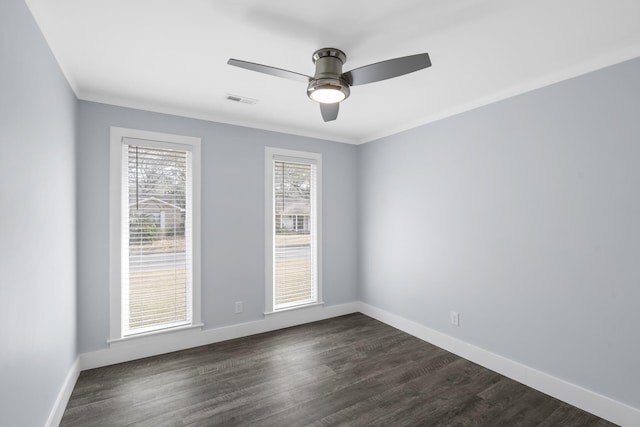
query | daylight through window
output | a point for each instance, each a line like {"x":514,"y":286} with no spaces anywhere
{"x":157,"y":257}
{"x":155,"y":283}
{"x":295,"y":229}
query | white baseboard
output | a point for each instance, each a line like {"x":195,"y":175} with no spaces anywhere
{"x":55,"y":416}
{"x":125,"y":351}
{"x":575,"y":395}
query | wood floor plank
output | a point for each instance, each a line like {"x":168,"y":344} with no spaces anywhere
{"x":346,"y":371}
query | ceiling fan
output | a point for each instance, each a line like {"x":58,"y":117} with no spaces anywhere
{"x":329,"y":85}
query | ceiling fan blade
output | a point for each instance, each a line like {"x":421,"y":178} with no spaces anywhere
{"x":329,"y":111}
{"x":387,"y":69}
{"x":278,"y":72}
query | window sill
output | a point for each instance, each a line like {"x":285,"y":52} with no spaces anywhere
{"x":159,"y":332}
{"x":295,"y":307}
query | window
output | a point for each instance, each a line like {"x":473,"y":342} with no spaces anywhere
{"x":155,"y":222}
{"x":293,"y":230}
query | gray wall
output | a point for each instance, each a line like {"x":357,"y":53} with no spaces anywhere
{"x":524,"y":217}
{"x":37,"y":220}
{"x":232,"y":215}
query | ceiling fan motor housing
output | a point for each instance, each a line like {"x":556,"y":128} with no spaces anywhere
{"x":328,"y":63}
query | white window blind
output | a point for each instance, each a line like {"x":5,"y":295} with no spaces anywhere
{"x":294,"y":220}
{"x":157,"y":236}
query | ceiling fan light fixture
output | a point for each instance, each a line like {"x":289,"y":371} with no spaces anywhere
{"x":328,"y":91}
{"x":327,"y":95}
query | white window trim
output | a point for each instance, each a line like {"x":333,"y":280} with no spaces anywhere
{"x":272,"y":153}
{"x":115,"y":204}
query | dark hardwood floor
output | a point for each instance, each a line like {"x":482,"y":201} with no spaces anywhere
{"x":348,"y":371}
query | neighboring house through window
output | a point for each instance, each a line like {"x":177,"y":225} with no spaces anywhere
{"x":293,"y":223}
{"x":155,"y":232}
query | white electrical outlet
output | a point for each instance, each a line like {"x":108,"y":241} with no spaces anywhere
{"x":455,"y":318}
{"x":238,"y":306}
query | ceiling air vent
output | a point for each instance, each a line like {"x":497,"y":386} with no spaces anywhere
{"x":241,"y":99}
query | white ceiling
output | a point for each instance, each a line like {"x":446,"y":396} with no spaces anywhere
{"x":170,"y":56}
